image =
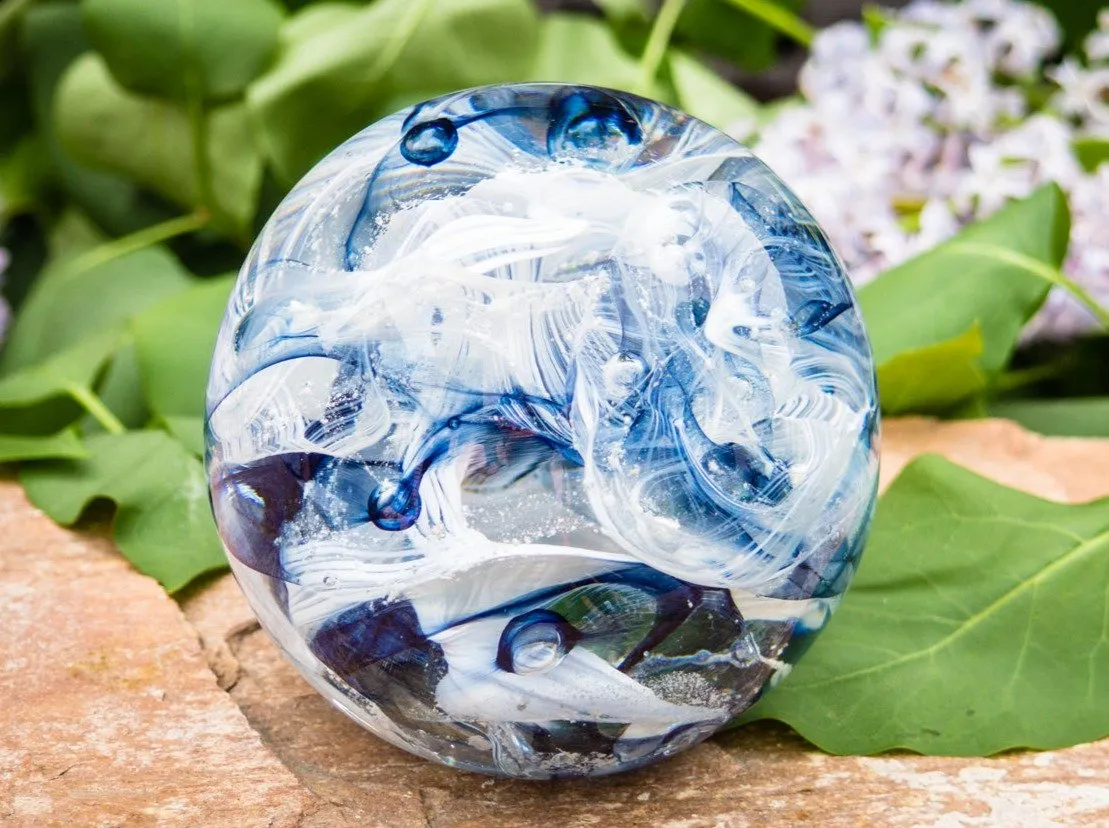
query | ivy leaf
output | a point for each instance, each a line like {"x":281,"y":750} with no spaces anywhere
{"x":150,"y":141}
{"x":174,"y":342}
{"x":67,"y":305}
{"x":184,"y":48}
{"x":976,"y":624}
{"x":933,"y":378}
{"x":1078,"y":417}
{"x":940,"y":295}
{"x":64,"y":444}
{"x":575,"y":48}
{"x":162,"y":523}
{"x":334,"y":80}
{"x":705,"y":95}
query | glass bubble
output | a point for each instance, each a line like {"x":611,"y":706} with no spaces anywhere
{"x":542,"y":429}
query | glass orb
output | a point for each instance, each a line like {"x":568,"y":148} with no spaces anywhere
{"x":542,"y":429}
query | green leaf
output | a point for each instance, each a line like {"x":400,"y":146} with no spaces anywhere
{"x":59,"y":374}
{"x":780,"y":18}
{"x":1091,"y":152}
{"x":120,"y":389}
{"x":163,"y":524}
{"x":722,"y":30}
{"x":64,"y":445}
{"x":174,"y":342}
{"x":150,"y":141}
{"x":933,"y":378}
{"x":332,"y":81}
{"x":941,"y":294}
{"x":52,"y":37}
{"x":16,"y":115}
{"x":575,"y":48}
{"x":45,"y":397}
{"x":11,"y":15}
{"x":188,"y":431}
{"x":66,"y":306}
{"x":22,"y":177}
{"x":1080,"y":417}
{"x":976,"y":624}
{"x":705,"y":95}
{"x":316,"y":19}
{"x":623,"y":10}
{"x":183,"y":48}
{"x":1076,"y":17}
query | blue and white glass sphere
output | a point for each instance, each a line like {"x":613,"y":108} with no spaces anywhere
{"x":542,"y":429}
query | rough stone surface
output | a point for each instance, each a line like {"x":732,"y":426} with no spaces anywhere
{"x":755,"y":776}
{"x":108,"y":713}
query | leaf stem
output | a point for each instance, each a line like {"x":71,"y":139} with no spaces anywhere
{"x":147,"y":237}
{"x":95,"y":406}
{"x":1045,"y":271}
{"x":776,"y":17}
{"x":657,"y":41}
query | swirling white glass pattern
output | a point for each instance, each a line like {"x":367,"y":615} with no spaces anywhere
{"x":542,"y":429}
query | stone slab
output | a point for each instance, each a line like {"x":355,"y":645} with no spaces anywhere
{"x":109,"y":716}
{"x":755,"y":776}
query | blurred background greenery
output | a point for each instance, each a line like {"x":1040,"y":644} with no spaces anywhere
{"x":118,"y":114}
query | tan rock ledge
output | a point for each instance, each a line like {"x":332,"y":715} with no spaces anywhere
{"x":112,"y":713}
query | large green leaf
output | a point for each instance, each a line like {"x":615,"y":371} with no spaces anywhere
{"x":1079,"y":417}
{"x":151,"y":142}
{"x":575,"y":48}
{"x":976,"y":624}
{"x":941,"y":294}
{"x":174,"y":343}
{"x":182,"y":49}
{"x":67,"y":305}
{"x":705,"y":95}
{"x":64,"y":444}
{"x":333,"y":80}
{"x":163,"y":524}
{"x":920,"y":314}
{"x":934,"y":378}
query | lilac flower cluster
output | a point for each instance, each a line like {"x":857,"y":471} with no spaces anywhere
{"x":921,"y":122}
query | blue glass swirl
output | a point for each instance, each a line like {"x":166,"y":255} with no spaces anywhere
{"x":542,"y":429}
